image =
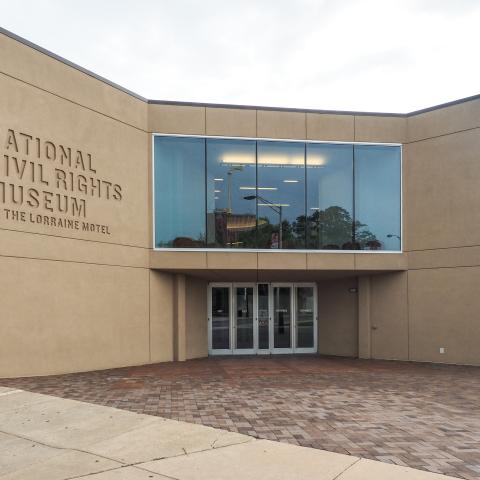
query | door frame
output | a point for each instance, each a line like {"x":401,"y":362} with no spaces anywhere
{"x":232,"y":322}
{"x":223,"y":351}
{"x":265,"y":351}
{"x":315,"y":317}
{"x":272,"y":320}
{"x":233,"y":328}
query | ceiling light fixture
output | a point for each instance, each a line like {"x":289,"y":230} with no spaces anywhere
{"x":258,"y":188}
{"x":273,"y":204}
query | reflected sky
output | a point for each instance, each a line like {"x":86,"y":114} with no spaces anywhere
{"x":377,"y":192}
{"x":180,"y":192}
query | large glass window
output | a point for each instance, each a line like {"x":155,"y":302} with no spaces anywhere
{"x":231,"y":176}
{"x":179,"y":192}
{"x":269,"y":194}
{"x":281,"y":195}
{"x":329,"y":196}
{"x":377,"y":197}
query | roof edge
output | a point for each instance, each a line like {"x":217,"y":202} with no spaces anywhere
{"x":444,"y":105}
{"x":274,"y":109}
{"x":26,"y":42}
{"x":222,"y":105}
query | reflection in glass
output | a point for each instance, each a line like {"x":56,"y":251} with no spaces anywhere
{"x":281,"y":195}
{"x":220,"y":318}
{"x":305,"y":317}
{"x":244,"y":317}
{"x":377,"y":197}
{"x":329,"y":196}
{"x":231,"y":175}
{"x":282,"y":317}
{"x":229,"y":193}
{"x":263,"y":316}
{"x":179,"y":192}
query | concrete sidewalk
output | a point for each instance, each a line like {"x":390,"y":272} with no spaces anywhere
{"x":50,"y":438}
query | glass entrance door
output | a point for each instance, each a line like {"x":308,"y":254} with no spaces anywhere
{"x":282,"y":318}
{"x":244,"y":319}
{"x":305,"y":318}
{"x":262,"y":318}
{"x":219,"y":319}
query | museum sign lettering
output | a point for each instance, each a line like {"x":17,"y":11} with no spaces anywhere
{"x":49,"y":183}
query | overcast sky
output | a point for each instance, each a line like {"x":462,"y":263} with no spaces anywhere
{"x":371,"y":55}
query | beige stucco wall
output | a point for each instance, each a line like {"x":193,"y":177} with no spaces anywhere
{"x":442,"y":170}
{"x":161,"y":316}
{"x":389,"y":316}
{"x":46,"y":114}
{"x":29,"y":66}
{"x":60,"y":317}
{"x":196,"y":318}
{"x":265,"y":123}
{"x":76,"y":299}
{"x":72,"y":299}
{"x":413,"y":315}
{"x":338,"y":317}
{"x":444,"y":305}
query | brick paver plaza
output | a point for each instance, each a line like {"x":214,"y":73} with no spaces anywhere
{"x":420,"y":415}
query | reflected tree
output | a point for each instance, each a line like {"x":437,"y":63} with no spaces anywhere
{"x":334,"y":229}
{"x":329,"y":229}
{"x":268,"y":234}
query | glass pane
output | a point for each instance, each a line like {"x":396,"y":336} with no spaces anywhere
{"x":377,"y":197}
{"x":281,"y":195}
{"x":282,"y":317}
{"x":305,"y":317}
{"x":329,"y":196}
{"x":179,"y":192}
{"x":244,"y":317}
{"x":263,"y":317}
{"x":220,"y":318}
{"x":231,"y":176}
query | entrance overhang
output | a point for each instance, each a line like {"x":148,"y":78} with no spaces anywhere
{"x":276,"y":266}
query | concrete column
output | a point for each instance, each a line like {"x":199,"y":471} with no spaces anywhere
{"x":180,"y":319}
{"x":364,"y":322}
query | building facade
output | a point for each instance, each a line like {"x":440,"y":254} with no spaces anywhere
{"x":135,"y":231}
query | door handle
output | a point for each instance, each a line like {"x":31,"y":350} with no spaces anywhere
{"x":374,"y":327}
